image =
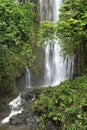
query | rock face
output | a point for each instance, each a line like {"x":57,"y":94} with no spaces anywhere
{"x":36,"y":72}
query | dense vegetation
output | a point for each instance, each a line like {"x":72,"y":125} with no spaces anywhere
{"x":46,"y":31}
{"x":16,"y":42}
{"x":72,"y":30}
{"x":65,"y":105}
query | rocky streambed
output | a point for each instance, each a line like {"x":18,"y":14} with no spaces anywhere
{"x":27,"y":120}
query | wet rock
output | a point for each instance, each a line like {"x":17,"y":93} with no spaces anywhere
{"x":36,"y":119}
{"x":50,"y":125}
{"x":25,"y":96}
{"x":25,"y":112}
{"x":29,"y":95}
{"x":15,"y":121}
{"x":27,"y":118}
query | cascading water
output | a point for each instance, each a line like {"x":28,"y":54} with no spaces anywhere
{"x":56,"y":68}
{"x":49,"y":9}
{"x":28,"y":82}
{"x":16,"y":108}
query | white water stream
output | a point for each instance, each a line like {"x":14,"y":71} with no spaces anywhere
{"x":49,"y":9}
{"x":28,"y":80}
{"x":15,"y":106}
{"x":56,"y":68}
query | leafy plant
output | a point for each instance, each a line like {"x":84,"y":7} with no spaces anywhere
{"x":46,"y":31}
{"x":65,"y":105}
{"x":72,"y":30}
{"x":16,"y":34}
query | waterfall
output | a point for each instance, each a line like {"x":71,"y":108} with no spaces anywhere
{"x":49,"y":9}
{"x":28,"y":82}
{"x":56,"y":68}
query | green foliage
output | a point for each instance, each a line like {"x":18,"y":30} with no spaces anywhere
{"x":72,"y":25}
{"x":6,"y":67}
{"x":13,"y":23}
{"x":46,"y":31}
{"x":16,"y":36}
{"x":65,"y":104}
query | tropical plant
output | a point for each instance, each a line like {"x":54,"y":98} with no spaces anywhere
{"x":65,"y":105}
{"x":16,"y":22}
{"x":72,"y":30}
